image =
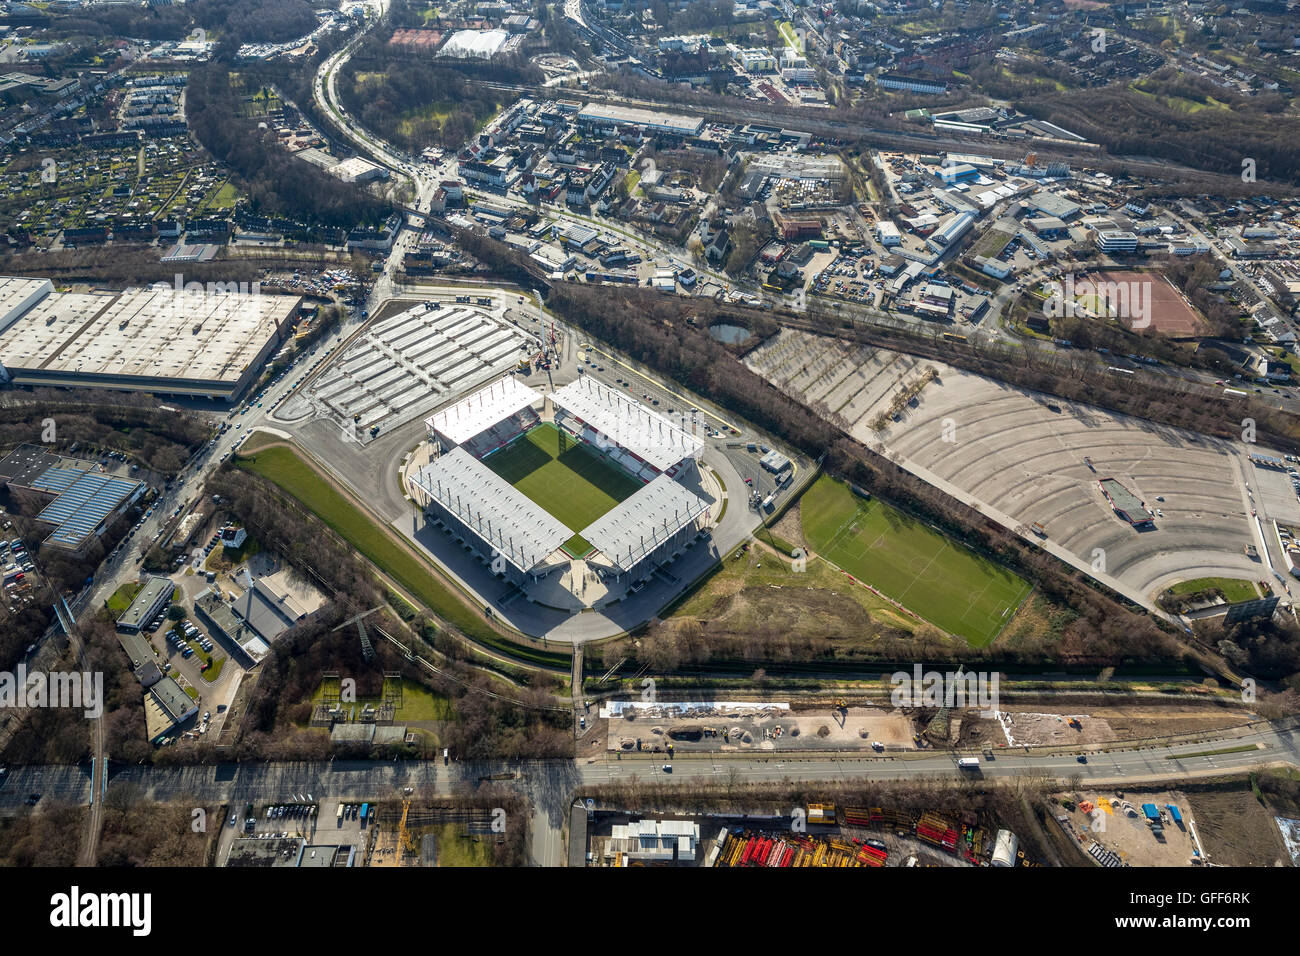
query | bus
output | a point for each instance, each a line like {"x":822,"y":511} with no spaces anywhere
{"x":339,"y":818}
{"x":954,"y":337}
{"x":1122,"y":371}
{"x":1234,"y":391}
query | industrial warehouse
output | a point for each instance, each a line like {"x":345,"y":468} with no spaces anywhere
{"x":597,"y":486}
{"x":169,"y":340}
{"x":85,"y":499}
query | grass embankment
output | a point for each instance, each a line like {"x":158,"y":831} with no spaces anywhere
{"x":283,"y":467}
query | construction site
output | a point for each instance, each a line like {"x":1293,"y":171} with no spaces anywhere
{"x":414,"y":833}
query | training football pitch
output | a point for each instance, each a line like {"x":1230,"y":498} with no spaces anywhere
{"x":564,"y":476}
{"x":904,"y":559}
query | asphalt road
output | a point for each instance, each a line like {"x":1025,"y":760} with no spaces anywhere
{"x":551,"y":783}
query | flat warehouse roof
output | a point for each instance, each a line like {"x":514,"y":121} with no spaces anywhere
{"x":85,"y":499}
{"x":643,"y":522}
{"x":502,"y":517}
{"x":481,"y":410}
{"x":154,"y":333}
{"x":1122,"y":498}
{"x":647,"y":434}
{"x":636,"y":117}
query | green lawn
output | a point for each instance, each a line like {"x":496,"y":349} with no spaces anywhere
{"x":123,"y":596}
{"x":418,"y":702}
{"x":904,"y":559}
{"x":457,"y":849}
{"x":283,"y":467}
{"x":569,"y":480}
{"x":1232,"y":589}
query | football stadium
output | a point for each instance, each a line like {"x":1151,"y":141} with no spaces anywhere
{"x":535,"y":484}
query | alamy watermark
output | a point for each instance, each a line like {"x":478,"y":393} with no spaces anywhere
{"x":63,"y":689}
{"x":1129,"y":300}
{"x":945,"y":689}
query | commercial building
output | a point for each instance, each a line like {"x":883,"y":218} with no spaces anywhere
{"x":913,"y":84}
{"x":888,"y":234}
{"x":201,"y":342}
{"x":274,"y":604}
{"x":474,"y":44}
{"x":609,"y":117}
{"x":358,"y":170}
{"x":152,"y":598}
{"x":1051,"y":204}
{"x":86,"y":500}
{"x":1115,"y":240}
{"x":654,"y":840}
{"x":166,"y":707}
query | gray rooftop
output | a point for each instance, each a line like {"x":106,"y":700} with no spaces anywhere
{"x":629,"y":532}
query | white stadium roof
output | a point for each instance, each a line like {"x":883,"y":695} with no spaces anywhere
{"x":645,"y":433}
{"x":480,"y":411}
{"x":520,"y":530}
{"x":645,"y":521}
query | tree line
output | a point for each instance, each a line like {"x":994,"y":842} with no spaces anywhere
{"x":276,"y":183}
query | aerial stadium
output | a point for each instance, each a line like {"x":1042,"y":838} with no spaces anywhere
{"x":583,"y":485}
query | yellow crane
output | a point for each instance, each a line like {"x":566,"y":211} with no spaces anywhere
{"x":405,"y":844}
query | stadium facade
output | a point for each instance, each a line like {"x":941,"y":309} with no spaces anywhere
{"x":517,"y":538}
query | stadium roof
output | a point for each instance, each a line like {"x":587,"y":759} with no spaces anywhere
{"x":645,"y":521}
{"x":480,"y":411}
{"x":85,"y":499}
{"x":511,"y":524}
{"x":647,"y":434}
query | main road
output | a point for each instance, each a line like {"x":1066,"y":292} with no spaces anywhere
{"x":551,"y":784}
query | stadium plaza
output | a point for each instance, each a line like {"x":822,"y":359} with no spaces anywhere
{"x":576,"y":499}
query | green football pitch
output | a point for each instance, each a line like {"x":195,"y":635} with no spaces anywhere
{"x":941,"y":580}
{"x":564,"y":476}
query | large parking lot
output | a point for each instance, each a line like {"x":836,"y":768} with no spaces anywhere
{"x":1033,"y":458}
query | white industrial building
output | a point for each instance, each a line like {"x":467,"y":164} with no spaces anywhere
{"x":474,"y":44}
{"x":1004,"y":849}
{"x":358,"y":170}
{"x":200,"y":342}
{"x":654,"y":840}
{"x":607,"y":117}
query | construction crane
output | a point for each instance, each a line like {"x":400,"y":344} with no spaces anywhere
{"x":405,"y":842}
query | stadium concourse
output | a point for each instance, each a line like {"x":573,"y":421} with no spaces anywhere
{"x":576,"y":499}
